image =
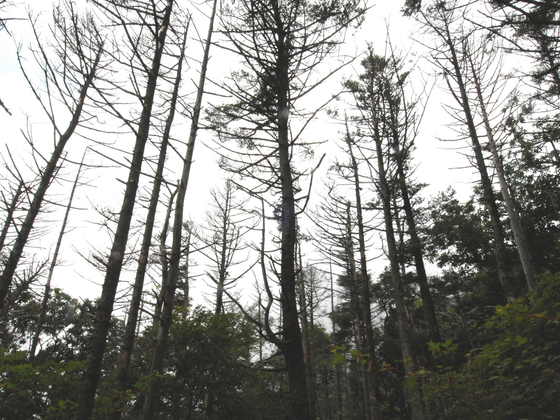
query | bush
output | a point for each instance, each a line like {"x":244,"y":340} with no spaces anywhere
{"x":517,"y":376}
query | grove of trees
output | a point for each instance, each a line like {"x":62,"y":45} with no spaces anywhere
{"x":320,"y":280}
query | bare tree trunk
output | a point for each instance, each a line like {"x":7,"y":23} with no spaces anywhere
{"x":515,"y":221}
{"x":46,"y":178}
{"x":10,"y":209}
{"x":134,"y":307}
{"x":358,"y":321}
{"x":405,"y":333}
{"x":488,"y":191}
{"x":364,"y":288}
{"x":163,"y":259}
{"x":223,"y":252}
{"x":222,"y":263}
{"x":338,"y":385}
{"x":306,"y":329}
{"x":416,"y":248}
{"x":92,"y":371}
{"x":46,"y":295}
{"x":489,"y":198}
{"x":169,"y":295}
{"x":402,"y":113}
{"x":186,"y":285}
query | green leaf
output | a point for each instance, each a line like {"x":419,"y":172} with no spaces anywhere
{"x":520,"y":340}
{"x":434,"y":347}
{"x":338,"y":358}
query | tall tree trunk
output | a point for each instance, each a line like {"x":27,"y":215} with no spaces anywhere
{"x":47,"y":176}
{"x":291,"y":346}
{"x":135,"y":301}
{"x":46,"y":294}
{"x":186,"y":285}
{"x":92,"y":371}
{"x":416,"y":248}
{"x":222,"y":266}
{"x":515,"y":220}
{"x":364,"y":288}
{"x":415,"y":243}
{"x":338,"y":373}
{"x":405,"y":333}
{"x":306,"y":328}
{"x":163,"y":258}
{"x":358,"y":321}
{"x":488,"y":191}
{"x":169,"y":294}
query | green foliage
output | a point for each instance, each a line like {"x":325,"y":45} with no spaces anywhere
{"x":341,"y":353}
{"x":43,"y":391}
{"x":457,"y":236}
{"x":208,"y":355}
{"x":338,"y":355}
{"x":443,"y":348}
{"x":515,"y":376}
{"x":535,"y":22}
{"x":46,"y":386}
{"x":340,"y":11}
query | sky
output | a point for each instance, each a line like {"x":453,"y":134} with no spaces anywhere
{"x":100,"y":191}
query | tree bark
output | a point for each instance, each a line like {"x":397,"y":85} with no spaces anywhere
{"x":169,"y":293}
{"x":92,"y":371}
{"x":364,"y":401}
{"x":46,"y":293}
{"x":416,"y":247}
{"x":489,"y":197}
{"x":515,"y":220}
{"x":364,"y":289}
{"x":337,"y":372}
{"x":307,"y":329}
{"x":136,"y":299}
{"x":405,"y":333}
{"x":163,"y":258}
{"x":46,"y":179}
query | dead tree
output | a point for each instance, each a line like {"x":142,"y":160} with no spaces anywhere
{"x":68,"y":76}
{"x":337,"y":237}
{"x":364,"y":280}
{"x":136,"y":298}
{"x":483,"y":70}
{"x":92,"y":371}
{"x":222,"y":237}
{"x":54,"y":261}
{"x":445,"y":23}
{"x":175,"y":255}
